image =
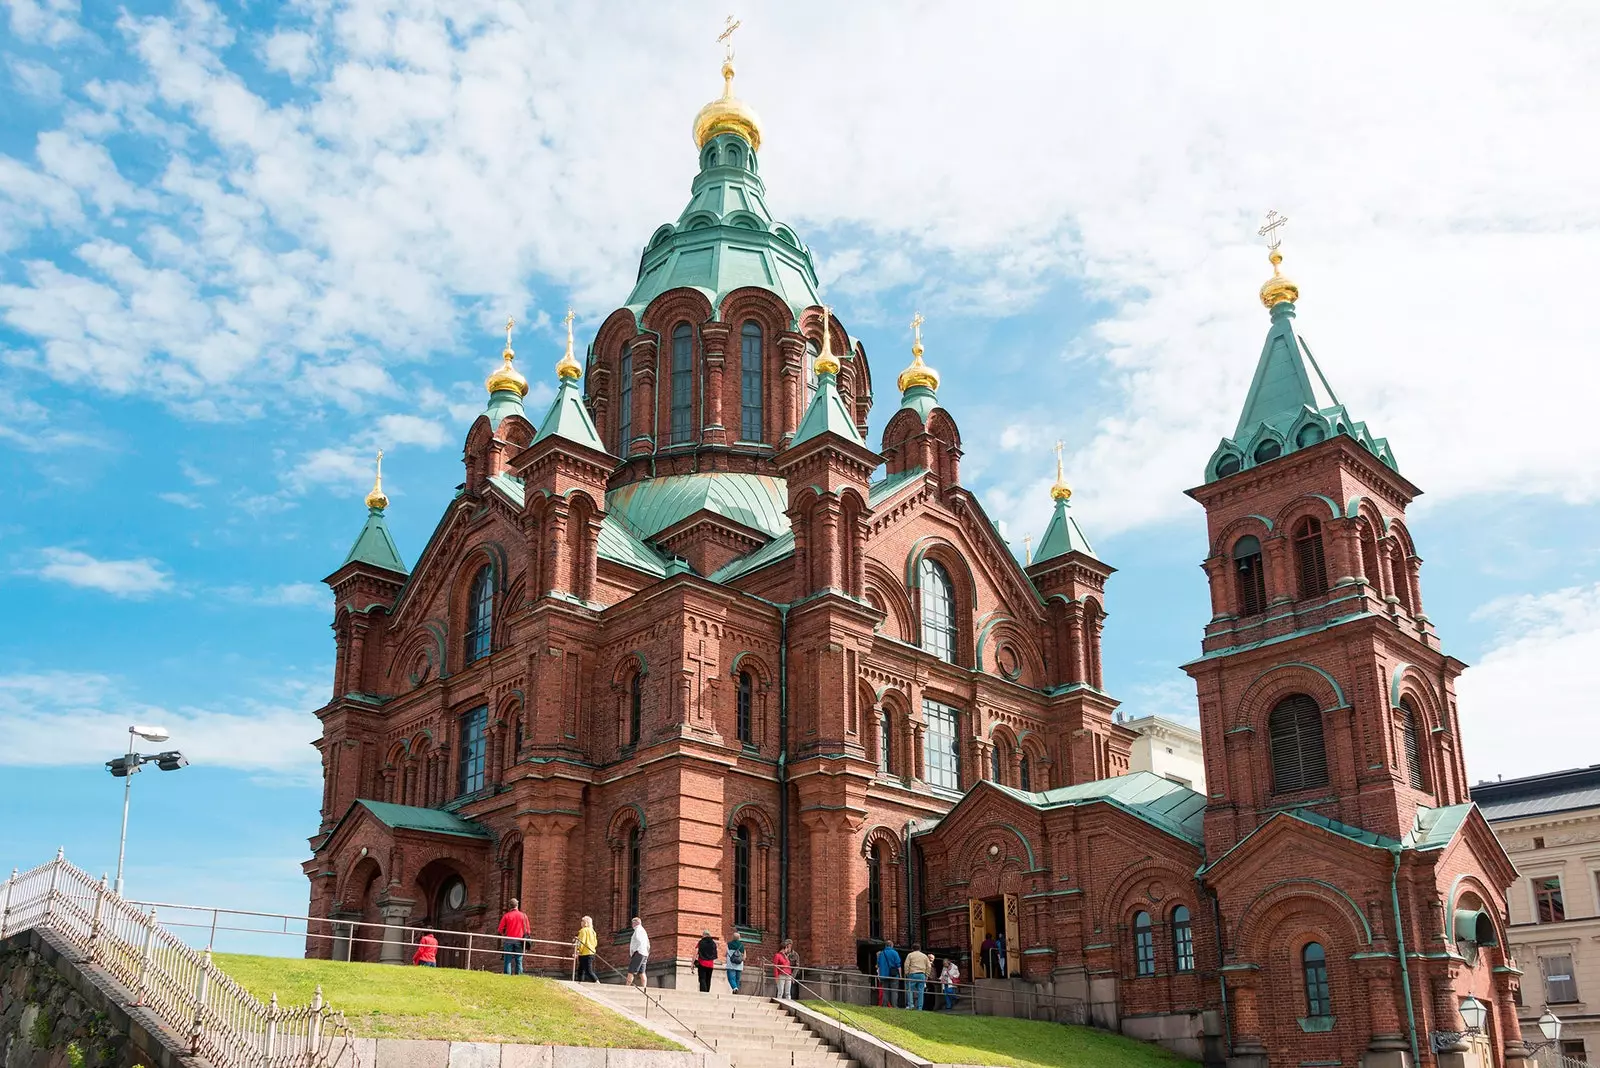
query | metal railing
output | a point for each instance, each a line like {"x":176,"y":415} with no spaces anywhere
{"x":342,"y":936}
{"x":843,"y":988}
{"x":221,"y":1021}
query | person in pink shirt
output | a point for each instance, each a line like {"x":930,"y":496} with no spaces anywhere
{"x":427,"y":954}
{"x":513,"y":929}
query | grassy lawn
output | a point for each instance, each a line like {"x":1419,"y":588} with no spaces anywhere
{"x":950,"y":1039}
{"x":390,"y":1001}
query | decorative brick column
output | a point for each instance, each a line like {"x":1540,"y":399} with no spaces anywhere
{"x":713,"y":346}
{"x":644,"y":350}
{"x":1244,"y":1003}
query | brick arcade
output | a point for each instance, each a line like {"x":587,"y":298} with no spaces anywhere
{"x":690,"y":647}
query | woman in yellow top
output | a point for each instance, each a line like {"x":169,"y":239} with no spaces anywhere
{"x":586,"y":942}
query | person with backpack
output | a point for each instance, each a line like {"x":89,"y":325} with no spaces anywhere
{"x":735,"y":966}
{"x":888,"y":972}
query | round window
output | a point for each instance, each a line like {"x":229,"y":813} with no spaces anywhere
{"x":1228,"y":465}
{"x":1309,"y":435}
{"x":1268,"y":450}
{"x":455,"y":895}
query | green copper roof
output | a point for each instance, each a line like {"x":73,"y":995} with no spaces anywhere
{"x":615,"y":544}
{"x":919,"y":399}
{"x":1162,"y":803}
{"x":1063,"y":536}
{"x":431,"y":820}
{"x":503,"y":402}
{"x":1290,"y":406}
{"x":726,"y":238}
{"x":826,"y":414}
{"x":569,"y":419}
{"x":652,"y":505}
{"x":374,"y":545}
{"x":1436,"y":827}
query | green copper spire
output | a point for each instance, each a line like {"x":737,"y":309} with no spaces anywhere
{"x":1290,"y":405}
{"x":827,"y":412}
{"x":568,"y":417}
{"x":373,"y":545}
{"x":506,"y":385}
{"x":919,"y":383}
{"x":1062,"y":535}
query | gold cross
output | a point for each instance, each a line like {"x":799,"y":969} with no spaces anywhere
{"x":1027,"y":548}
{"x":568,"y":321}
{"x":916,"y":327}
{"x":510,"y":322}
{"x":726,"y":36}
{"x":380,"y":463}
{"x":1059,"y":446}
{"x":1270,"y":230}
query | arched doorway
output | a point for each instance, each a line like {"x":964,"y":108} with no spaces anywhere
{"x":452,"y":915}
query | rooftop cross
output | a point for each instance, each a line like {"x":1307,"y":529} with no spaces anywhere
{"x":916,"y":329}
{"x":726,"y":36}
{"x":1270,"y":228}
{"x":1059,"y":446}
{"x":510,"y":322}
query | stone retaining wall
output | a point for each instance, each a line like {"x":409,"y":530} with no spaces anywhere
{"x":437,"y":1053}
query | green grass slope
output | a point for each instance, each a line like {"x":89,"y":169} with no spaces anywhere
{"x":389,"y":1001}
{"x":945,"y":1038}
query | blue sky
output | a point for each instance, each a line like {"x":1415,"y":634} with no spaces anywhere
{"x":244,"y":246}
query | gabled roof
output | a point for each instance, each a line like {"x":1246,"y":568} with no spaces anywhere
{"x":616,"y":543}
{"x":827,"y":414}
{"x":1432,"y":829}
{"x":374,"y":546}
{"x":568,"y":418}
{"x":1063,"y":536}
{"x":410,"y":818}
{"x":651,"y":505}
{"x":1162,"y":803}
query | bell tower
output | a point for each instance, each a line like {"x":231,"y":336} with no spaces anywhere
{"x":1322,"y":686}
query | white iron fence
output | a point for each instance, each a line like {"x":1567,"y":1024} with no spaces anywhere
{"x":222,"y":1022}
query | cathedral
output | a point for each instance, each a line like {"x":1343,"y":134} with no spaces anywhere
{"x":688,"y":646}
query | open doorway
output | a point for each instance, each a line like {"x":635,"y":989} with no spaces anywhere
{"x":992,"y":929}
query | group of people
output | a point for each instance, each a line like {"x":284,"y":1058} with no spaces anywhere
{"x":915,"y":968}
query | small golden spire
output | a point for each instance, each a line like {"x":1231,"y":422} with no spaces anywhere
{"x":1060,"y":491}
{"x":1027,"y":548}
{"x":1277,"y":289}
{"x":567,"y":366}
{"x":506,"y":376}
{"x":377,"y":500}
{"x":919,"y":373}
{"x":728,"y":114}
{"x":827,"y":363}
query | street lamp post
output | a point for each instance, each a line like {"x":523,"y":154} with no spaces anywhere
{"x":1473,"y":1013}
{"x":125,"y":767}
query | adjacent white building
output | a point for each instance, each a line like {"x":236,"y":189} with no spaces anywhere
{"x":1170,"y":749}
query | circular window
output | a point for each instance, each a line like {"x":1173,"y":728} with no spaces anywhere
{"x":455,"y":894}
{"x":1228,"y":465}
{"x":1005,"y":658}
{"x":1309,"y":435}
{"x":1268,"y":450}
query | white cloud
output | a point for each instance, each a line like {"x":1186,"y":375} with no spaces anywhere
{"x":35,"y":79}
{"x":60,"y":718}
{"x":291,"y":51}
{"x":182,"y":500}
{"x":287,"y":595}
{"x":396,"y":430}
{"x":49,"y":22}
{"x":1539,"y":670}
{"x":121,"y":578}
{"x":196,"y":474}
{"x":344,"y":466}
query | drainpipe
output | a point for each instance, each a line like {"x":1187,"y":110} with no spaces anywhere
{"x":1400,"y":941}
{"x":911,"y":924}
{"x":783,"y":772}
{"x":1222,"y":979}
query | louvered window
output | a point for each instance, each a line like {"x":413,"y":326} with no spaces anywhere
{"x":625,"y":401}
{"x":1308,"y":558}
{"x":1144,"y":945}
{"x":1409,"y":743}
{"x":750,"y":385}
{"x":1250,"y":576}
{"x":682,"y":383}
{"x":1294,"y":729}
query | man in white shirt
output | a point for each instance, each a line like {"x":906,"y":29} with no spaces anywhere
{"x":638,"y":953}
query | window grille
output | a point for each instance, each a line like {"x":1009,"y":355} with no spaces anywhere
{"x":625,"y":401}
{"x":474,"y":750}
{"x":942,"y":755}
{"x":1547,"y":894}
{"x":750,"y":382}
{"x":480,"y":614}
{"x":938,"y":611}
{"x":1182,"y":940}
{"x":741,"y":876}
{"x":635,"y":707}
{"x":1314,"y":961}
{"x":875,"y":893}
{"x":682,"y":383}
{"x":745,"y":699}
{"x":1294,"y":731}
{"x":633,"y":875}
{"x":1144,"y":945}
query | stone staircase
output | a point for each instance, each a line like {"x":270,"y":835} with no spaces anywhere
{"x":750,"y":1032}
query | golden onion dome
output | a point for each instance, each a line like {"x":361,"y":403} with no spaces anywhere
{"x":507,"y":377}
{"x":919,"y":373}
{"x":1278,"y":289}
{"x":827,"y":363}
{"x":1060,"y":491}
{"x":727,"y":114}
{"x":567,"y":366}
{"x":377,"y":500}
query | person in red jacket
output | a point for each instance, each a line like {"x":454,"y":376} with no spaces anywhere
{"x":427,"y":954}
{"x":513,"y":929}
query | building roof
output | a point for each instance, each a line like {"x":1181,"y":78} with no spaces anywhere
{"x":568,"y":418}
{"x":826,"y":414}
{"x":1539,"y":795}
{"x":651,"y":505}
{"x":431,"y":820}
{"x":1063,"y":536}
{"x":374,"y":546}
{"x":616,"y":542}
{"x":1163,"y":723}
{"x":1162,"y":803}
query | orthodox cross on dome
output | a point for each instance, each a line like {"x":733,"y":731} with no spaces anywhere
{"x":825,"y":363}
{"x":726,"y":37}
{"x":916,"y":332}
{"x":1027,"y":548}
{"x":377,"y":499}
{"x":510,"y":322}
{"x":1270,"y":228}
{"x":567,"y":366}
{"x":1060,"y":491}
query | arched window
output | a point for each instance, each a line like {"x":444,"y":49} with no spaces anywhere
{"x":741,"y":876}
{"x":1409,"y":744}
{"x":1309,"y":563}
{"x":1024,"y":773}
{"x":635,"y":707}
{"x":885,"y":744}
{"x":1250,"y":577}
{"x":812,"y":348}
{"x":938,"y":611}
{"x":1144,"y":945}
{"x":942,"y":745}
{"x":1268,"y":450}
{"x":1314,"y":961}
{"x":1294,"y":730}
{"x":480,"y":614}
{"x":997,"y":761}
{"x":682,"y":383}
{"x":474,"y":750}
{"x":745,"y":700}
{"x":633,"y":874}
{"x":1310,"y":434}
{"x":1182,"y":940}
{"x":875,"y":893}
{"x":1228,"y":465}
{"x":750,"y":383}
{"x":625,"y":400}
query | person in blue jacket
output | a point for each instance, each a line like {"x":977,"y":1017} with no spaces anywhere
{"x":888,"y":973}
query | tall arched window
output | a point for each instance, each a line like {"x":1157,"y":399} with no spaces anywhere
{"x":1182,"y":940}
{"x":1309,"y":563}
{"x":875,"y":893}
{"x":938,"y":610}
{"x":682,"y":383}
{"x":1250,"y":576}
{"x":741,"y":876}
{"x":885,"y":744}
{"x":635,"y":707}
{"x":750,"y":383}
{"x":480,"y":614}
{"x":625,"y":400}
{"x":746,"y":699}
{"x":1410,"y":746}
{"x":1024,"y":773}
{"x":474,"y":750}
{"x":633,"y":874}
{"x":1314,"y":962}
{"x":1294,"y":730}
{"x":1144,"y":945}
